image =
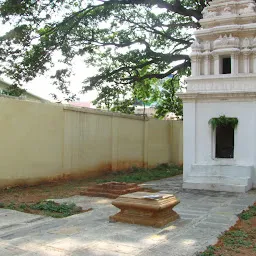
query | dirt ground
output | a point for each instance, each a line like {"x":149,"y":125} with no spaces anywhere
{"x":45,"y":191}
{"x":67,"y":188}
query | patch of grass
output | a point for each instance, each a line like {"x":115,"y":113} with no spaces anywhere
{"x":210,"y":250}
{"x":248,"y":214}
{"x":139,"y":175}
{"x":236,"y":239}
{"x":11,"y":206}
{"x":63,"y":210}
{"x":48,"y":208}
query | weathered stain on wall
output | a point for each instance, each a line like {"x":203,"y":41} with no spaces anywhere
{"x":45,"y":142}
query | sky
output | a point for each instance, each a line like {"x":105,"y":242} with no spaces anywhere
{"x":43,"y":87}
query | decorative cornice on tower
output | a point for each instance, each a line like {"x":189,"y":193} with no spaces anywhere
{"x":250,"y":8}
{"x":226,"y":42}
{"x":254,"y":43}
{"x":222,"y":83}
{"x":228,"y":13}
{"x":196,"y":48}
{"x":207,"y":46}
{"x":223,"y":57}
{"x":219,"y":96}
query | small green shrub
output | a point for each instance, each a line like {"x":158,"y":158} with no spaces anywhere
{"x":23,"y":206}
{"x":11,"y":206}
{"x":48,"y":208}
{"x":223,"y":121}
{"x":210,"y":250}
{"x":236,"y":238}
{"x":246,"y":215}
{"x":139,"y":175}
{"x":54,"y":209}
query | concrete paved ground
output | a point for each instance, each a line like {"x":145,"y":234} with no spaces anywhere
{"x":204,"y":216}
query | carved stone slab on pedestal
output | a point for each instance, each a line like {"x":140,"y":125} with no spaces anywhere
{"x":111,"y":189}
{"x":149,"y":209}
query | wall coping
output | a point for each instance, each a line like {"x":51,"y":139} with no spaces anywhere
{"x":103,"y":112}
{"x":67,"y":107}
{"x":24,"y":99}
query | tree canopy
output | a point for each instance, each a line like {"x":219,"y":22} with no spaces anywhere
{"x":133,"y":43}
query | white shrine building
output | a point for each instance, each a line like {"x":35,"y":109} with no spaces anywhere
{"x":223,"y":83}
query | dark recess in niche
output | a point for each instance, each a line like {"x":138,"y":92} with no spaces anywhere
{"x":224,"y":142}
{"x":226,"y":65}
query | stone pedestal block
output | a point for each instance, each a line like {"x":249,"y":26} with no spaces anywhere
{"x":111,"y":189}
{"x":149,"y":209}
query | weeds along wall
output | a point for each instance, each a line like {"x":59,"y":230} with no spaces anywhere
{"x":41,"y":142}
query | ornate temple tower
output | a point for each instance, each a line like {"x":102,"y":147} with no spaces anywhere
{"x":220,"y":102}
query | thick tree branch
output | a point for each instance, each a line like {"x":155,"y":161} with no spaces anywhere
{"x":183,"y":65}
{"x":149,"y":28}
{"x":177,"y":7}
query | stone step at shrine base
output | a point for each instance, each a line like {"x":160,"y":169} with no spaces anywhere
{"x":143,"y":208}
{"x":111,"y":189}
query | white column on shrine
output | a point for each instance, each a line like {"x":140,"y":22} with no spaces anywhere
{"x":198,"y":65}
{"x":207,"y":66}
{"x":246,"y":62}
{"x":216,"y":58}
{"x":254,"y":60}
{"x":195,"y":65}
{"x":234,"y":63}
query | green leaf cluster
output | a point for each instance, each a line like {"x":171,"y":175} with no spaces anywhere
{"x":48,"y":208}
{"x":248,"y":214}
{"x":13,"y":91}
{"x":223,"y":121}
{"x":64,"y":209}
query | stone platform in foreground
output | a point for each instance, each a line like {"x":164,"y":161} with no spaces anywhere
{"x":149,"y":209}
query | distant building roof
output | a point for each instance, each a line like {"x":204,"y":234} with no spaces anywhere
{"x":86,"y":104}
{"x":172,"y":116}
